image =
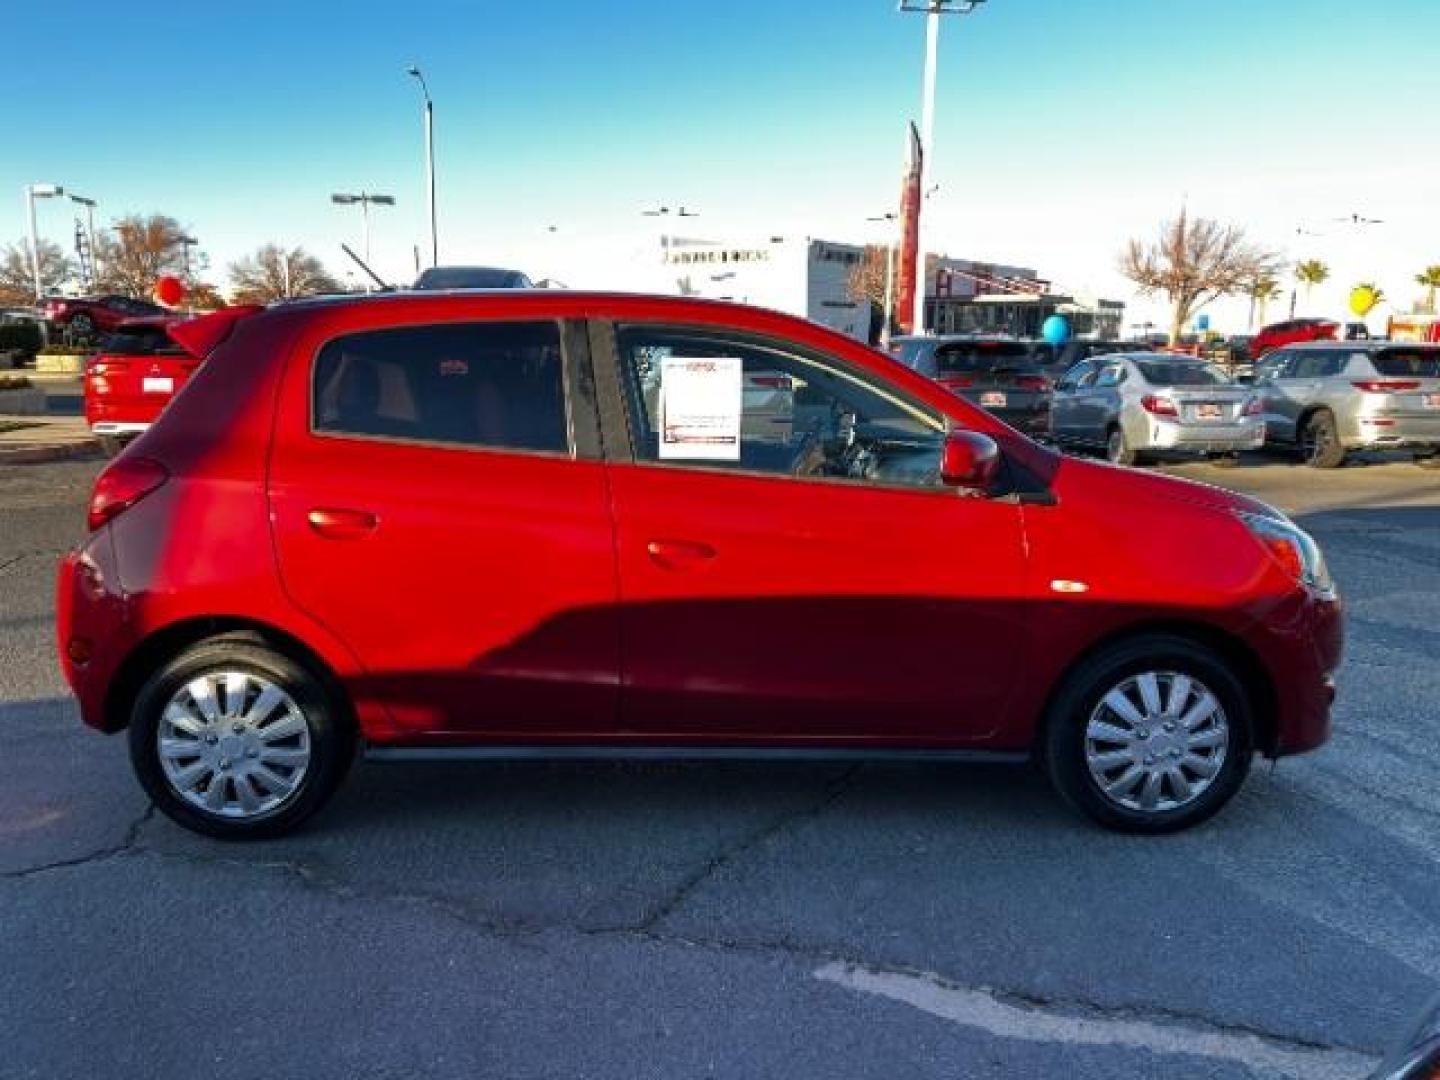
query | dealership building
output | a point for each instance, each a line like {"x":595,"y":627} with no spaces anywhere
{"x":810,"y":278}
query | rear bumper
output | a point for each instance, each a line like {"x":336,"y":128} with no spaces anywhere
{"x":1380,"y":432}
{"x":1025,"y":421}
{"x":1248,"y":434}
{"x":92,"y":625}
{"x":118,"y":427}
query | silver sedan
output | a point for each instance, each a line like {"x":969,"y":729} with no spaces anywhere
{"x":1143,"y":405}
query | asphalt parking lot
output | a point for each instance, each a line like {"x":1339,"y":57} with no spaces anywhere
{"x":677,"y":920}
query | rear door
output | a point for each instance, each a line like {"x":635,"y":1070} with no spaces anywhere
{"x":1299,"y":385}
{"x":437,"y":501}
{"x":1066,"y":406}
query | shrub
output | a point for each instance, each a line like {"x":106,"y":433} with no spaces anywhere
{"x":21,"y":339}
{"x":13,"y":382}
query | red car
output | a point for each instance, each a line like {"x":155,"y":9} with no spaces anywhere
{"x":1292,"y":333}
{"x":540,"y":524}
{"x":86,"y":316}
{"x":132,"y":379}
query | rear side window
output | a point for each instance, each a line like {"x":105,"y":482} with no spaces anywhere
{"x":497,"y":385}
{"x":981,"y":356}
{"x":1319,"y":365}
{"x":1414,"y":363}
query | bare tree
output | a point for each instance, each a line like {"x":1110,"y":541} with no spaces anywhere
{"x":867,"y":279}
{"x":17,"y":276}
{"x":275,"y":273}
{"x":1195,"y":261}
{"x":136,"y":251}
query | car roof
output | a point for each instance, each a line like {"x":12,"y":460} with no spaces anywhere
{"x":1363,"y":345}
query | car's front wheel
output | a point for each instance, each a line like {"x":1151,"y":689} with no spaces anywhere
{"x":237,"y":741}
{"x":1150,"y":735}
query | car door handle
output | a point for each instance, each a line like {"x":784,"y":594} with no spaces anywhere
{"x":679,"y":554}
{"x":339,"y":524}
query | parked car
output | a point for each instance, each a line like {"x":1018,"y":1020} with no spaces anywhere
{"x":1139,"y":406}
{"x":425,"y":524}
{"x":1292,"y":332}
{"x":130,"y":381}
{"x":471,"y":277}
{"x":1328,"y":399}
{"x":1055,"y":360}
{"x":1417,"y":1055}
{"x":998,"y":374}
{"x":85,"y":316}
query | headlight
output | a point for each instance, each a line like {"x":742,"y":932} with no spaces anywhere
{"x":1292,"y":547}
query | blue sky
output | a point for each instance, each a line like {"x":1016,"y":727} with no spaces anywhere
{"x":1063,"y":127}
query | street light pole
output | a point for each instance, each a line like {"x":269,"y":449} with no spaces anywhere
{"x":932,"y":10}
{"x":89,"y":205}
{"x":415,"y":72}
{"x":33,"y":192}
{"x":364,"y":199}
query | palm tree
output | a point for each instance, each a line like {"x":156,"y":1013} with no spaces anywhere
{"x":1310,"y":273}
{"x":1430,"y":281}
{"x":1261,"y":291}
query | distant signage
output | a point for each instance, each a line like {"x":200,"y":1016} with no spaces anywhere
{"x":713,"y":257}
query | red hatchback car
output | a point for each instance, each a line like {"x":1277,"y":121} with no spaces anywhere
{"x":131,"y":380}
{"x":542,"y":524}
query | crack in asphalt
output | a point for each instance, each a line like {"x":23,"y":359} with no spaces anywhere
{"x":128,"y":845}
{"x":728,"y":855}
{"x":36,"y":553}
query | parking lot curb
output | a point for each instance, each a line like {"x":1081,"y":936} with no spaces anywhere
{"x":44,"y":453}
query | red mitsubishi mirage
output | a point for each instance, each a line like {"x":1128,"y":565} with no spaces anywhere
{"x":542,"y":523}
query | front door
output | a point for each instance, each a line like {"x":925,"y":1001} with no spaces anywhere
{"x":802,"y":574}
{"x":432,"y":506}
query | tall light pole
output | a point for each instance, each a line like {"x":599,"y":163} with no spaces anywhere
{"x":364,"y":199}
{"x":33,"y":192}
{"x":414,"y":72}
{"x":89,"y":204}
{"x":889,"y":218}
{"x":932,"y":9}
{"x":186,"y":243}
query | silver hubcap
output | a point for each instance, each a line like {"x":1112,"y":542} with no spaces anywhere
{"x":233,"y":744}
{"x":1156,"y":741}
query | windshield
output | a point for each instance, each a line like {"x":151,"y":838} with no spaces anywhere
{"x":1178,"y":373}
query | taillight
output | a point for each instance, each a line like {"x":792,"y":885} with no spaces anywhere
{"x":1159,"y":406}
{"x":122,"y":485}
{"x":1037,"y":383}
{"x":1254,"y":407}
{"x":771,"y":382}
{"x":1385,"y":386}
{"x":956,"y":382}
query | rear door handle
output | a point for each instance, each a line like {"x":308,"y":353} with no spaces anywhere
{"x":341,"y":524}
{"x":679,"y":554}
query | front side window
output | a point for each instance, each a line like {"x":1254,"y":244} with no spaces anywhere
{"x":720,"y":400}
{"x":498,"y":385}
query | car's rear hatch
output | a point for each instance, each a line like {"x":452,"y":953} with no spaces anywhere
{"x":133,"y":378}
{"x":1407,"y":385}
{"x":1000,"y":376}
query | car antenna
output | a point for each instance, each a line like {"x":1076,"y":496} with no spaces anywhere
{"x":385,"y":285}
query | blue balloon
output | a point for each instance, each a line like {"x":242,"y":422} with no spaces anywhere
{"x":1202,"y":322}
{"x":1056,"y":330}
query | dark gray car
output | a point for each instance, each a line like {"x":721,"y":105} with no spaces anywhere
{"x":997,"y":374}
{"x":471,"y":277}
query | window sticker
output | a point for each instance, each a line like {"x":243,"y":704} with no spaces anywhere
{"x":700,"y":405}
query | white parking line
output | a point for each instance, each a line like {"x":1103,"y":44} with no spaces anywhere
{"x":984,"y":1010}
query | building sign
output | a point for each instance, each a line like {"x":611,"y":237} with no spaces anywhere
{"x":700,"y":404}
{"x":713,"y":257}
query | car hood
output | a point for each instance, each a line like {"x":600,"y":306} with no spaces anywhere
{"x":1120,"y":486}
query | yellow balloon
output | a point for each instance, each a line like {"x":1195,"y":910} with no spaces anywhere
{"x":1363,"y":300}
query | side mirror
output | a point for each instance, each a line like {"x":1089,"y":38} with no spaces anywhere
{"x":969,"y":460}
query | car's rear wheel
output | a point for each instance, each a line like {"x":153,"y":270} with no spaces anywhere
{"x":82,"y":325}
{"x":1150,"y":735}
{"x":1225,"y":461}
{"x":1118,"y":450}
{"x":1428,"y":461}
{"x":237,"y":741}
{"x":1320,"y":445}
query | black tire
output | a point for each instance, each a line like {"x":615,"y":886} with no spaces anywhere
{"x":1225,"y":461}
{"x":1428,"y":461}
{"x":1063,"y":746}
{"x":1320,"y":446}
{"x":1117,"y":448}
{"x":81,"y":326}
{"x":331,"y":732}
